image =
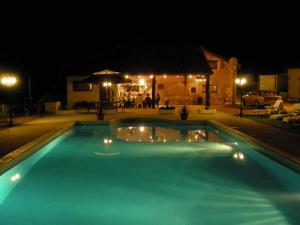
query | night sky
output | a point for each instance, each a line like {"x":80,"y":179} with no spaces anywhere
{"x":39,"y":43}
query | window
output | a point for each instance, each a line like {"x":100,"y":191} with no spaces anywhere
{"x":193,"y":90}
{"x":212,"y":88}
{"x":82,"y":86}
{"x":213,"y":64}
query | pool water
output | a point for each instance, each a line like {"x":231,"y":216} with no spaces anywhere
{"x":148,"y":174}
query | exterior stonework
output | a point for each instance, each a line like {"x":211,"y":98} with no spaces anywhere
{"x":224,"y":75}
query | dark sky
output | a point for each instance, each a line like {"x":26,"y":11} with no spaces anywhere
{"x":38,"y":43}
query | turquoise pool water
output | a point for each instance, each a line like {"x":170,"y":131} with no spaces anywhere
{"x":148,"y":174}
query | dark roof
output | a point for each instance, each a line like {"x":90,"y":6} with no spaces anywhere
{"x":152,"y":55}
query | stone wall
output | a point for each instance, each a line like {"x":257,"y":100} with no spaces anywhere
{"x":224,"y":75}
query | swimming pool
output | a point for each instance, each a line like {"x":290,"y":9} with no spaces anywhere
{"x":148,"y":173}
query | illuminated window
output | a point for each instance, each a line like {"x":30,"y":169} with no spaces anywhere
{"x":82,"y":86}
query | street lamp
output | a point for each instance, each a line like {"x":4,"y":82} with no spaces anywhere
{"x":240,"y":82}
{"x":9,"y":81}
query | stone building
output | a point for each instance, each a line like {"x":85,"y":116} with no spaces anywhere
{"x":180,"y":72}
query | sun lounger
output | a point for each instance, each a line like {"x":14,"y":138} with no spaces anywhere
{"x":273,"y":109}
{"x":295,"y":111}
{"x":291,"y":119}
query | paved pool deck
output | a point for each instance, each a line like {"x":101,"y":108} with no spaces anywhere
{"x":285,"y":143}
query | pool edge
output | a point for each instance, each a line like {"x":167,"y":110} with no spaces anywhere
{"x":19,"y":154}
{"x":268,"y":150}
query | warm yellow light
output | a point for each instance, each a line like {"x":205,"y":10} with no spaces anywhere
{"x":139,"y":76}
{"x":142,"y":82}
{"x":142,"y":129}
{"x":151,"y":76}
{"x":106,"y":84}
{"x":107,"y":141}
{"x":165,"y":76}
{"x":190,"y":76}
{"x":239,"y":156}
{"x":126,"y":76}
{"x":243,"y":81}
{"x":9,"y":81}
{"x":177,"y":76}
{"x":240,"y":81}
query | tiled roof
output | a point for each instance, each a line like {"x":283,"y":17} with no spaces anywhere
{"x":154,"y":55}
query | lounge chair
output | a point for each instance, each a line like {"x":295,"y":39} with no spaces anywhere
{"x":294,"y":112}
{"x":273,"y":109}
{"x":292,"y":119}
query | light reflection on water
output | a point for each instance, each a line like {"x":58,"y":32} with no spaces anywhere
{"x":162,"y":134}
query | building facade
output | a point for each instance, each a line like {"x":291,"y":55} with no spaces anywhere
{"x":294,"y":83}
{"x":175,"y":77}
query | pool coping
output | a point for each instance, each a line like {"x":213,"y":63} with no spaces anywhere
{"x":19,"y":154}
{"x":11,"y":159}
{"x":259,"y":146}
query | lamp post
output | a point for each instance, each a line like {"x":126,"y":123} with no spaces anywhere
{"x":240,"y":82}
{"x":9,"y":81}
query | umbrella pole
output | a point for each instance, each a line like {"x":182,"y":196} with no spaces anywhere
{"x":153,"y":91}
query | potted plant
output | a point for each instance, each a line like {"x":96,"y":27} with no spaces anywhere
{"x":184,"y":113}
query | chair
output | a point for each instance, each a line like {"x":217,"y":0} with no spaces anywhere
{"x":275,"y":108}
{"x":294,"y":112}
{"x":292,"y":119}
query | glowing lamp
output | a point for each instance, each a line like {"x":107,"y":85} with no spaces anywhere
{"x":9,"y":81}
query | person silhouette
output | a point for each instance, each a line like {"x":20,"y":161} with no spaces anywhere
{"x":157,"y":99}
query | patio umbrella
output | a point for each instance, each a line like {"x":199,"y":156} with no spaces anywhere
{"x":105,"y":75}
